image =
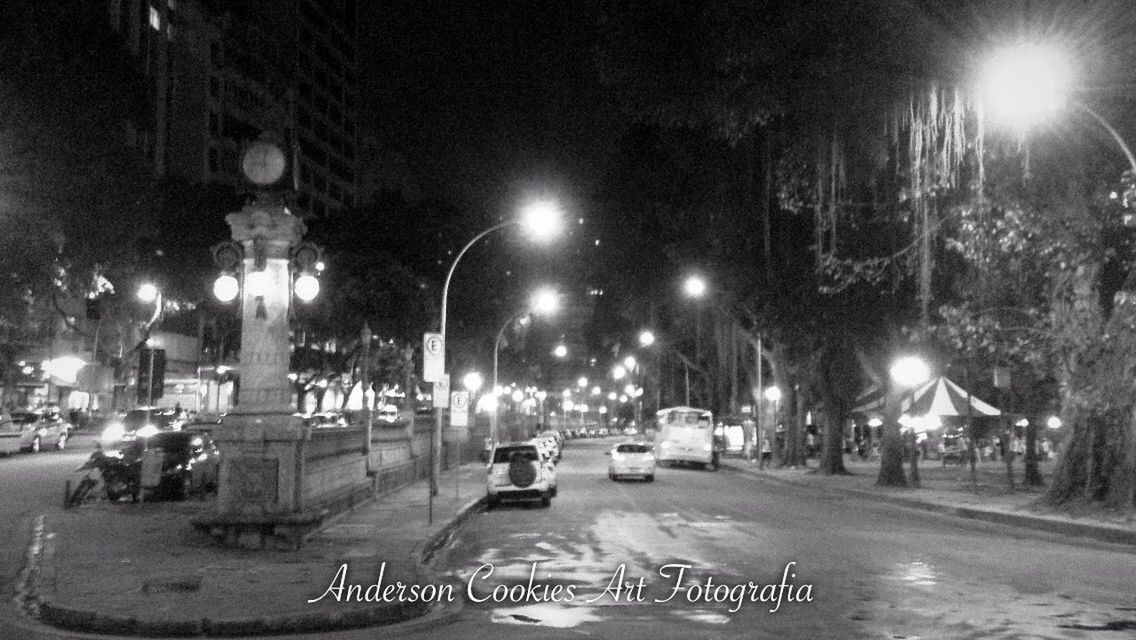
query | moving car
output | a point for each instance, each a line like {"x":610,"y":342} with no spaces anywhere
{"x":685,"y":435}
{"x":32,"y":431}
{"x":635,"y":459}
{"x":142,"y":422}
{"x":518,"y":471}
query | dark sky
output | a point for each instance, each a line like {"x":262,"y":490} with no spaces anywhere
{"x":488,"y":101}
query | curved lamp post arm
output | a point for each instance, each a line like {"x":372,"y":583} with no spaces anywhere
{"x":1113,"y":132}
{"x":496,"y":352}
{"x":450,"y":273}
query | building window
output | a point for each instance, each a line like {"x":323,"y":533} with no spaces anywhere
{"x":155,"y":19}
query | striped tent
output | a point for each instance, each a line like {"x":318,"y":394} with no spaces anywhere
{"x":941,"y":397}
{"x":869,"y":402}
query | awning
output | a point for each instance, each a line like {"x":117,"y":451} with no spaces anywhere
{"x":941,"y":397}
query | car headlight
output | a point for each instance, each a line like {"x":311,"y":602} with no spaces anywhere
{"x":113,"y":432}
{"x":146,"y":431}
{"x":706,"y":447}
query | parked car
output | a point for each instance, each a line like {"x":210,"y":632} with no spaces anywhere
{"x":632,"y":459}
{"x":187,"y":462}
{"x":142,"y":422}
{"x":518,"y":471}
{"x":33,"y":431}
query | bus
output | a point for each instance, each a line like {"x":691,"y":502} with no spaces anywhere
{"x":685,"y":434}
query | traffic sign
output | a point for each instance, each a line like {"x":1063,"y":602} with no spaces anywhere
{"x":433,"y":357}
{"x":459,"y":409}
{"x":442,"y":391}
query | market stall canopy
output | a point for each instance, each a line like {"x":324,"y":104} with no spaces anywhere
{"x":869,"y":402}
{"x":941,"y":397}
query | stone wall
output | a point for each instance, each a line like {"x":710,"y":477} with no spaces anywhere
{"x":335,"y":465}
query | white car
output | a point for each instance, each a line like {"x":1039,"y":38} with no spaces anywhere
{"x":31,"y":431}
{"x":519,"y":471}
{"x":632,"y":459}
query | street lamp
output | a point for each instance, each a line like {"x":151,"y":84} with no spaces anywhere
{"x":1025,"y":83}
{"x":909,"y":372}
{"x":694,"y":286}
{"x":542,"y":220}
{"x":629,"y":362}
{"x":560,"y":351}
{"x":646,"y":338}
{"x":618,"y":372}
{"x":773,"y":394}
{"x":544,"y":302}
{"x":582,"y":382}
{"x":472,"y":381}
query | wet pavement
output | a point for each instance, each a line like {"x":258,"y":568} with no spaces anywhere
{"x":875,"y":571}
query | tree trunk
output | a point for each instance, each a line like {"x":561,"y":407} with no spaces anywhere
{"x":891,"y":446}
{"x":1033,"y":473}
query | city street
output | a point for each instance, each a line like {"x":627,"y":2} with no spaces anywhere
{"x":876,"y":571}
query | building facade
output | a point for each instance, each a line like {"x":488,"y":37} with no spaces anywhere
{"x":221,"y":72}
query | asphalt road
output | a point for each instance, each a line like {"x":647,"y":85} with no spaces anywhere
{"x":29,"y":485}
{"x":873,"y":571}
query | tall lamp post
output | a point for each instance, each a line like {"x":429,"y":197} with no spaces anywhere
{"x":149,"y":293}
{"x":909,"y":372}
{"x":542,"y":220}
{"x":544,"y":302}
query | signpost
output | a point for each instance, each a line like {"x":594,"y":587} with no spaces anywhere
{"x":459,"y":417}
{"x":433,"y":358}
{"x":442,"y":391}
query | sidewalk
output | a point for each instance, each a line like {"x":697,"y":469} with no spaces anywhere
{"x":141,"y":569}
{"x":948,"y":490}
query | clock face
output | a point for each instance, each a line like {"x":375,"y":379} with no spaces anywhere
{"x":263,"y":163}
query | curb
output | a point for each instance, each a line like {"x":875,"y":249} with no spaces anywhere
{"x":1072,"y":529}
{"x":37,"y":591}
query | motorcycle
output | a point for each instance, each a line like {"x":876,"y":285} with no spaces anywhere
{"x":120,"y":478}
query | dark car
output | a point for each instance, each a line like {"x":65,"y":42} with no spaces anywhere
{"x":173,"y":465}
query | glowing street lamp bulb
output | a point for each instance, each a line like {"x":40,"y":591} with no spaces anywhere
{"x":518,"y":395}
{"x":545,"y":302}
{"x":226,"y":288}
{"x":910,"y":371}
{"x":542,"y":219}
{"x":694,"y":287}
{"x":623,"y":399}
{"x":147,"y":292}
{"x":1023,"y":84}
{"x":1053,"y":422}
{"x":629,"y":389}
{"x":646,"y":338}
{"x":596,"y":391}
{"x":618,"y":372}
{"x":772,"y":394}
{"x":560,"y":351}
{"x":307,"y":287}
{"x":582,"y":382}
{"x":629,"y":362}
{"x":611,"y":396}
{"x":472,"y":381}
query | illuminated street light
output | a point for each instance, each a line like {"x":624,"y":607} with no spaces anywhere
{"x":307,"y":287}
{"x":147,"y":292}
{"x":910,"y":371}
{"x":646,"y":338}
{"x":582,"y":382}
{"x":1024,"y":84}
{"x":545,"y":301}
{"x":542,"y":219}
{"x":518,"y":395}
{"x":629,"y":389}
{"x":694,"y":286}
{"x":618,"y":372}
{"x":773,"y":394}
{"x":596,"y":391}
{"x":472,"y":381}
{"x":630,"y":363}
{"x":226,"y":287}
{"x":623,"y":399}
{"x":560,"y":351}
{"x":1053,"y":422}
